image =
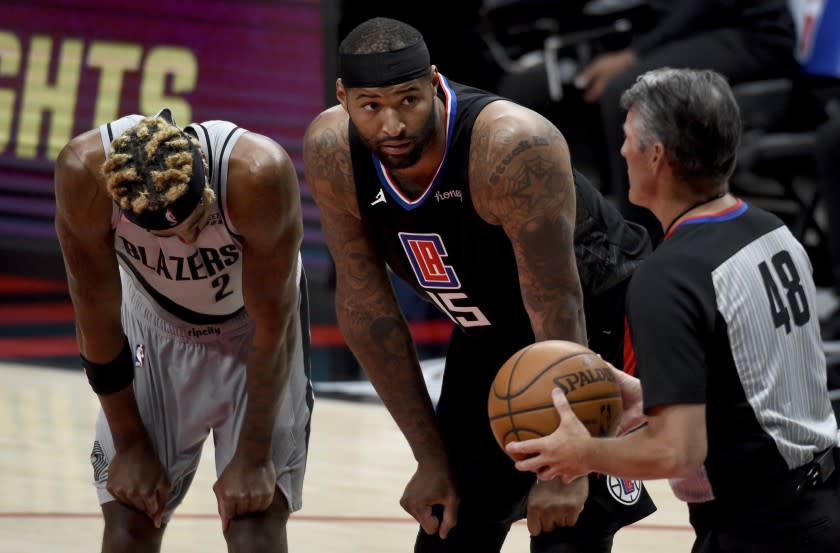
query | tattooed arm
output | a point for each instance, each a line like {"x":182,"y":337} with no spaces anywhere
{"x":371,"y":321}
{"x":521,"y":179}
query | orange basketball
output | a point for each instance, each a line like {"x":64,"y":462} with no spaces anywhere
{"x":520,"y":405}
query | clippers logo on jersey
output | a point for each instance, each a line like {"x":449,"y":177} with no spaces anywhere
{"x":139,"y":356}
{"x":623,"y":490}
{"x":426,"y":253}
{"x":170,"y":217}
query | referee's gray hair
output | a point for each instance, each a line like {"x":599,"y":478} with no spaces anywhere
{"x":693,"y":113}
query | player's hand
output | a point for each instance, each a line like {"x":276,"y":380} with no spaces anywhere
{"x":561,"y":453}
{"x":432,"y":484}
{"x":245,"y":486}
{"x":595,"y":76}
{"x":554,"y":504}
{"x":137,"y":479}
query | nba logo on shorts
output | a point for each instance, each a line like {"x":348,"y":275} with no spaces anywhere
{"x":426,"y":253}
{"x":623,"y":490}
{"x":139,"y":355}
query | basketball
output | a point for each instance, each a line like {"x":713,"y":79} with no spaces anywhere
{"x":520,"y":405}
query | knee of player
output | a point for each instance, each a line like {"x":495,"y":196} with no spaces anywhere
{"x":255,"y":532}
{"x":131,"y":532}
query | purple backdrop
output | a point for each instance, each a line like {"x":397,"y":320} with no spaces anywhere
{"x":68,"y":66}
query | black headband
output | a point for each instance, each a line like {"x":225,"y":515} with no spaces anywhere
{"x":178,"y":211}
{"x":385,"y":68}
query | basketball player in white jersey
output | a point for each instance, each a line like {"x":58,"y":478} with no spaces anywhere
{"x":182,"y":255}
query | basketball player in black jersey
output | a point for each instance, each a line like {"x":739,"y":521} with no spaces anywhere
{"x":723,"y":321}
{"x":471,"y":200}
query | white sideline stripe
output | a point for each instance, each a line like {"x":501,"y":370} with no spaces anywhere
{"x":432,"y":374}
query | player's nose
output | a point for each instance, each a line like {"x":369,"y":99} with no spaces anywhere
{"x":392,"y":123}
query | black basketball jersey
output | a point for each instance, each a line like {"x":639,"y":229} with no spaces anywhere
{"x":724,"y":313}
{"x":437,"y":243}
{"x":440,"y":246}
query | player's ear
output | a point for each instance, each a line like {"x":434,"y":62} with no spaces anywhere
{"x":341,"y":93}
{"x":435,"y":77}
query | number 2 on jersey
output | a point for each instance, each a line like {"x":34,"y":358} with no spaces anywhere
{"x":221,"y":282}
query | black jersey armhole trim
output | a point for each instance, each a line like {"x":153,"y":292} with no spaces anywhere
{"x":223,"y":193}
{"x":209,"y":149}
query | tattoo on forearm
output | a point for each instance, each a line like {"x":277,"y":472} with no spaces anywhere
{"x":388,"y":333}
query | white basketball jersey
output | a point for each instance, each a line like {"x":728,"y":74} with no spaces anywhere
{"x":199,"y":282}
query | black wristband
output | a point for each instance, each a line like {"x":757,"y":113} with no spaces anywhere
{"x":112,"y":376}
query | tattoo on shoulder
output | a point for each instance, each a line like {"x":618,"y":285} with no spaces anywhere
{"x":524,"y":170}
{"x":330,"y":151}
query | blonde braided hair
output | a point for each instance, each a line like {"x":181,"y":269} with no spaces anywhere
{"x":150,"y":165}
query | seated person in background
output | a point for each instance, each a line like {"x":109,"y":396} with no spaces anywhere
{"x":743,"y":40}
{"x":818,"y":52}
{"x":828,"y":180}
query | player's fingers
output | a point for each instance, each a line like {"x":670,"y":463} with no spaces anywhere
{"x":572,"y":518}
{"x":118,"y":493}
{"x":258,"y":502}
{"x":267,"y":499}
{"x":548,"y":522}
{"x":428,"y":521}
{"x":150,"y":504}
{"x":533,"y":524}
{"x":450,"y":518}
{"x":157,"y":515}
{"x":224,"y":508}
{"x":243,"y":505}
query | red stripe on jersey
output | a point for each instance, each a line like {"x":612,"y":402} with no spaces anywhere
{"x":629,"y":352}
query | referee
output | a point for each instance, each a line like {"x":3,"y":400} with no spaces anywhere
{"x":724,"y":325}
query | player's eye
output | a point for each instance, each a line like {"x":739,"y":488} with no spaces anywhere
{"x":410,"y":100}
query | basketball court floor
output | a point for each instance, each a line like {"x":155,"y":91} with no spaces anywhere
{"x":358,"y":465}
